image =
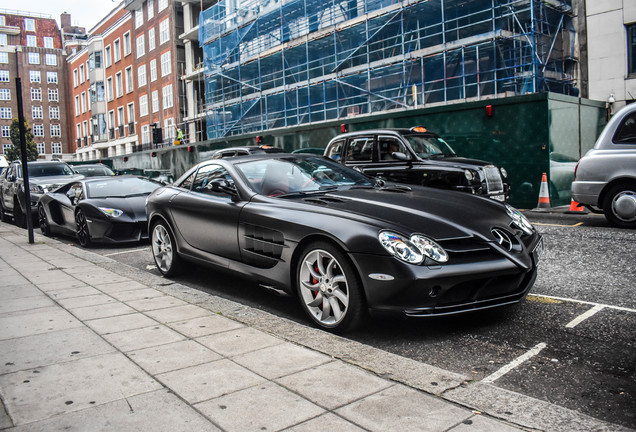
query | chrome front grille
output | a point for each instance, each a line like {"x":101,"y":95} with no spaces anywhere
{"x":494,"y":183}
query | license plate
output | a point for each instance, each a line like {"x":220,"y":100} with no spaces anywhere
{"x":538,"y":250}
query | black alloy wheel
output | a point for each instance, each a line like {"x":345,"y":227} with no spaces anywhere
{"x":81,"y":229}
{"x":328,"y":288}
{"x":45,"y":228}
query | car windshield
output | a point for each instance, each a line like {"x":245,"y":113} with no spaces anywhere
{"x":291,"y":175}
{"x":119,"y":187}
{"x":429,"y":146}
{"x":49,"y":170}
{"x":92,"y":171}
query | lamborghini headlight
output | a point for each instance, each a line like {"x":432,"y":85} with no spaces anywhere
{"x":413,"y":250}
{"x":519,"y":220}
{"x":111,"y":211}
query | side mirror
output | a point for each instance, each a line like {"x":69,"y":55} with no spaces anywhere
{"x":400,"y":156}
{"x":223,"y":186}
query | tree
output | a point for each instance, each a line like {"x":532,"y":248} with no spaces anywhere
{"x":14,"y":152}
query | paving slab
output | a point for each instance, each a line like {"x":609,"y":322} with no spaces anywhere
{"x":145,"y":337}
{"x":109,"y":287}
{"x":326,"y":422}
{"x":70,"y":292}
{"x":262,"y":407}
{"x":178,"y":313}
{"x":50,"y":348}
{"x":239,"y":341}
{"x":205,"y":325}
{"x":173,"y":356}
{"x":102,"y":311}
{"x":162,"y":302}
{"x":38,"y":394}
{"x":25,"y":303}
{"x":84,"y":301}
{"x":120,"y":323}
{"x":283,"y":359}
{"x":136,"y":294}
{"x":27,"y":323}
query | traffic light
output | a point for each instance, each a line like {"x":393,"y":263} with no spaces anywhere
{"x":157,"y":135}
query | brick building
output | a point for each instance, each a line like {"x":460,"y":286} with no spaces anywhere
{"x":124,"y":81}
{"x":31,"y":48}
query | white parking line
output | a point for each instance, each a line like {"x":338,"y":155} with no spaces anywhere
{"x":125,"y":252}
{"x":513,"y":364}
{"x":579,"y":319}
{"x":585,"y":302}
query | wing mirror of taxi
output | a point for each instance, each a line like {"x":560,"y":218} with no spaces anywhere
{"x":400,"y":156}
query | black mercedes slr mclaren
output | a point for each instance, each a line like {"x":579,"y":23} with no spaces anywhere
{"x":342,"y":242}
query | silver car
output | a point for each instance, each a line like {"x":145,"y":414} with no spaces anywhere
{"x":605,"y":178}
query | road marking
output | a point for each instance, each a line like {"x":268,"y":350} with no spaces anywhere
{"x":591,"y":312}
{"x":620,"y":308}
{"x":557,"y":225}
{"x":125,"y":252}
{"x":513,"y":364}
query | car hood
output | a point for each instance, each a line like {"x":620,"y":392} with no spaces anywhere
{"x":434,"y":212}
{"x":459,"y":162}
{"x":134,"y":207}
{"x":55,"y":181}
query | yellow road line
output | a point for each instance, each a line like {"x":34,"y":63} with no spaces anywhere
{"x":557,"y":225}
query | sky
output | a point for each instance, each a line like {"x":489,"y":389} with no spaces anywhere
{"x":84,"y":13}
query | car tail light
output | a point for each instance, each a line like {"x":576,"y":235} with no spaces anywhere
{"x":576,"y":168}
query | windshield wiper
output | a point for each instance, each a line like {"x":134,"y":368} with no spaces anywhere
{"x":320,"y":190}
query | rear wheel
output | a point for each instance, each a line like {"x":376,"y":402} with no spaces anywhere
{"x":619,"y":205}
{"x":43,"y":221}
{"x":18,"y":215}
{"x":81,"y":229}
{"x":328,"y":288}
{"x":164,"y":250}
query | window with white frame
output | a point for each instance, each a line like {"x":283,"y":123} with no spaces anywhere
{"x":151,"y":39}
{"x":56,"y":130}
{"x":84,"y":128}
{"x":54,"y":95}
{"x":155,"y":101}
{"x":120,"y":116}
{"x":37,"y":112}
{"x":119,"y":85}
{"x":2,"y":20}
{"x":4,"y":76}
{"x":5,"y":113}
{"x":161,"y":5}
{"x":51,"y":59}
{"x":169,"y":129}
{"x":78,"y":130}
{"x":51,"y":77}
{"x":141,"y":46}
{"x":109,"y":88}
{"x":3,"y":40}
{"x":167,"y":96}
{"x":6,"y":148}
{"x":131,"y":112}
{"x":33,"y":58}
{"x":36,"y":94}
{"x":151,"y":8}
{"x":164,"y":31}
{"x":48,"y":42}
{"x":139,"y":18}
{"x":34,"y":76}
{"x":56,"y":148}
{"x":87,"y":71}
{"x":153,"y":70}
{"x":32,"y":41}
{"x":38,"y":130}
{"x":129,"y":79}
{"x":127,"y":46}
{"x":83,"y":102}
{"x":107,"y":59}
{"x":82,"y":75}
{"x":77,"y":105}
{"x":116,"y":50}
{"x":75,"y":78}
{"x":141,"y":75}
{"x":29,"y":24}
{"x":4,"y":57}
{"x":145,"y":134}
{"x":166,"y":65}
{"x":41,"y":148}
{"x":143,"y":105}
{"x":5,"y":94}
{"x":6,"y":131}
{"x":54,"y":112}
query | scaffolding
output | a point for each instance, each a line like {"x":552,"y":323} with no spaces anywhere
{"x":279,"y":63}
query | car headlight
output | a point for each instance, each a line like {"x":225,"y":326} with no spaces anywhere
{"x":36,"y":188}
{"x":111,"y":211}
{"x":519,"y":220}
{"x":413,"y":250}
{"x":503,"y":171}
{"x":469,"y":175}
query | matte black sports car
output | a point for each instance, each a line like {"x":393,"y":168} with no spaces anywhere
{"x":100,"y":209}
{"x":342,"y":242}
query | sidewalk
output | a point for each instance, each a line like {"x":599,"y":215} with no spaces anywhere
{"x":87,"y":344}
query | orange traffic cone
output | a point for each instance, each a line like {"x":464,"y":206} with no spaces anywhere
{"x":576,"y":208}
{"x":544,"y":194}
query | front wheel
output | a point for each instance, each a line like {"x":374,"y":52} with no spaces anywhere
{"x":45,"y":228}
{"x":18,"y":215}
{"x":164,"y":250}
{"x":328,"y":288}
{"x":81,"y":229}
{"x":619,"y":205}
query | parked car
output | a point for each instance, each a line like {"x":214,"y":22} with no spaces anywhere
{"x":43,"y":177}
{"x":245,"y":150}
{"x":417,"y":156}
{"x":343,"y":243}
{"x":98,"y":209}
{"x":163,"y":176}
{"x":93,"y":170}
{"x":605,"y":178}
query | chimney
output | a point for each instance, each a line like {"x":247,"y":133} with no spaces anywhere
{"x":65,"y":20}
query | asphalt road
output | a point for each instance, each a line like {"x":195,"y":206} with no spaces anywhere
{"x":572,"y":343}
